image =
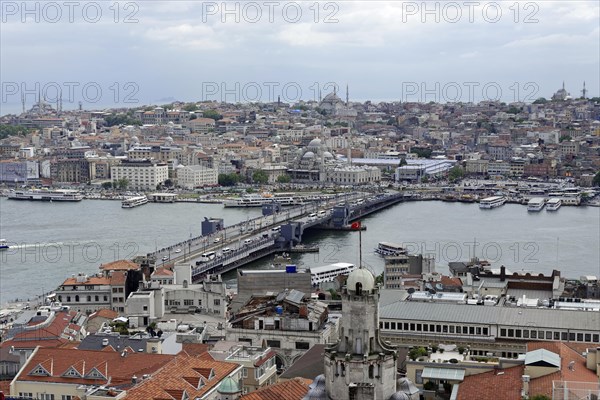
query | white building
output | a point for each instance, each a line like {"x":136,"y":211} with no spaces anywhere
{"x":141,"y":175}
{"x":194,"y":176}
{"x":354,"y":175}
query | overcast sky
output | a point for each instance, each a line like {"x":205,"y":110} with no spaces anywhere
{"x":153,"y":52}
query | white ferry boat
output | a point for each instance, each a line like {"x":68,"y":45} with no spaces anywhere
{"x":389,"y":249}
{"x":3,"y":244}
{"x":492,"y":202}
{"x":46,"y":195}
{"x":536,"y":204}
{"x":553,"y":204}
{"x":248,"y":200}
{"x":134,"y":201}
{"x":328,"y":273}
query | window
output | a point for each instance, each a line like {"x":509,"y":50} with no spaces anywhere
{"x":419,"y":376}
{"x":511,"y":333}
{"x":564,"y":336}
{"x":571,"y":336}
{"x":596,"y":338}
{"x":386,"y":325}
{"x":302,"y":345}
{"x":525,"y":333}
{"x":66,"y":397}
{"x":89,"y":299}
{"x":199,"y":302}
{"x":274,"y":343}
{"x":534,"y":334}
{"x":393,"y":325}
{"x":217,"y":302}
{"x":244,"y":372}
{"x":188,"y":302}
{"x":478,"y":331}
{"x":518,"y":333}
{"x":412,"y":327}
{"x":451,"y":328}
{"x":485,"y":331}
{"x":588,"y":337}
{"x":580,"y":337}
{"x":145,"y":308}
{"x":96,"y":298}
{"x":46,"y":396}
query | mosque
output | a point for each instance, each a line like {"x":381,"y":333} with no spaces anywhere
{"x":336,"y":107}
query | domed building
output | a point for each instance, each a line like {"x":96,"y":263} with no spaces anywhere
{"x":229,"y":389}
{"x":334,"y":106}
{"x":312,"y":163}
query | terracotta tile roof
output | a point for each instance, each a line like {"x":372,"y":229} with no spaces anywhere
{"x":195,"y":349}
{"x":181,"y":374}
{"x":104,"y":313}
{"x":162,"y":271}
{"x":118,"y":278}
{"x":294,"y":389}
{"x":579,"y":372}
{"x":120,"y":265}
{"x":488,"y":384}
{"x":110,"y":364}
{"x":53,"y":335}
{"x":92,"y":280}
{"x":5,"y":387}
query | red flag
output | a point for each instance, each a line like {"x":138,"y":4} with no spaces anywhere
{"x":355,"y":226}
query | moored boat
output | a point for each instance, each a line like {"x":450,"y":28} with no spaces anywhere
{"x":46,"y":195}
{"x":134,"y":201}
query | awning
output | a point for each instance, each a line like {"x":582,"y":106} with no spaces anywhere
{"x":448,"y":374}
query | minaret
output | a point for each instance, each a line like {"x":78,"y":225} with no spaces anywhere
{"x":347,"y":96}
{"x":23,"y":101}
{"x":584,"y":91}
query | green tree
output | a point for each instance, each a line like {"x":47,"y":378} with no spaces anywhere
{"x":425,"y":179}
{"x":596,"y":180}
{"x":122,"y":183}
{"x":168,"y":183}
{"x":541,"y":100}
{"x":259,"y":176}
{"x":229,"y":179}
{"x":421,"y":152}
{"x":565,"y":137}
{"x":540,"y":397}
{"x":190,"y":107}
{"x":285,"y":178}
{"x":107,"y":185}
{"x":513,"y":110}
{"x":121,"y":119}
{"x":456,"y":173}
{"x":379,"y":279}
{"x":402,"y":162}
{"x":212,"y":114}
{"x":12,"y":130}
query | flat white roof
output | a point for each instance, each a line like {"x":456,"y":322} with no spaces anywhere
{"x":316,"y":270}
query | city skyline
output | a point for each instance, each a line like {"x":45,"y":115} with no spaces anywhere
{"x":150,"y":53}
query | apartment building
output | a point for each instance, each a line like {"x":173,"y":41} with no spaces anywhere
{"x":194,"y":176}
{"x":140,"y":174}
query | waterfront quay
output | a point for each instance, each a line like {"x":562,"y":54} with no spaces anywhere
{"x":242,"y":243}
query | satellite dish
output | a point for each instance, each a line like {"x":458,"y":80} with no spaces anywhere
{"x":411,"y":290}
{"x":432,"y":291}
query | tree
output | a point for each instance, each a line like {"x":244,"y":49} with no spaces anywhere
{"x":259,"y":176}
{"x":122,"y":183}
{"x":229,"y":179}
{"x":425,"y":179}
{"x":513,"y":110}
{"x":456,"y":173}
{"x":12,"y":130}
{"x":285,"y":178}
{"x":190,"y":107}
{"x":541,"y":100}
{"x":565,"y":137}
{"x":168,"y":183}
{"x":422,"y":152}
{"x":121,"y":119}
{"x":107,"y":185}
{"x":212,"y":114}
{"x":402,"y":162}
{"x":596,"y":180}
{"x":379,"y":279}
{"x":540,"y":397}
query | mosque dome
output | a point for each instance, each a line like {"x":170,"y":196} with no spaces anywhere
{"x":308,"y":154}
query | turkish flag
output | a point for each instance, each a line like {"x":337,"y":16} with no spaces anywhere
{"x":355,"y":226}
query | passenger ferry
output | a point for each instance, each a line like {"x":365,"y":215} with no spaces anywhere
{"x":46,"y":195}
{"x":536,"y":204}
{"x":553,"y":204}
{"x":3,"y":244}
{"x":134,"y":201}
{"x":492,"y":202}
{"x":248,"y":200}
{"x":328,"y":273}
{"x":389,"y":249}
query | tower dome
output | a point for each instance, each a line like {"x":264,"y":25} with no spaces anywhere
{"x":360,"y":280}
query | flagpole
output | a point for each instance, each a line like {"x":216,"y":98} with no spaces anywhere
{"x":359,"y":246}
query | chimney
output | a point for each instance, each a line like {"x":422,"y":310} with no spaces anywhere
{"x":502,"y":273}
{"x":525,"y":390}
{"x":134,"y":379}
{"x":104,"y":342}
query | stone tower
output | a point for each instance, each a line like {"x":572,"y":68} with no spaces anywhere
{"x":359,"y":366}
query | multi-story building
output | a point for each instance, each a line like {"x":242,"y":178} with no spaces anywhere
{"x":477,"y":167}
{"x":19,"y":172}
{"x":200,"y":125}
{"x":70,"y":170}
{"x":288,"y":323}
{"x":141,"y":174}
{"x":157,"y":153}
{"x":194,"y":176}
{"x":354,"y":175}
{"x":258,"y":363}
{"x":569,"y":148}
{"x":498,"y":168}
